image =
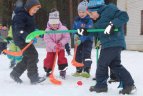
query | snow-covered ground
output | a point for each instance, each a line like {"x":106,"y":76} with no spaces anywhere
{"x":132,"y":60}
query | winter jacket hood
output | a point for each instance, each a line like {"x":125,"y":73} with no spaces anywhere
{"x":30,"y":3}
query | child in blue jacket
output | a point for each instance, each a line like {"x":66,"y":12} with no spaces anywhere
{"x":109,"y":17}
{"x":83,"y":53}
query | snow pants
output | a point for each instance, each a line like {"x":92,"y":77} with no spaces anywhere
{"x":49,"y":60}
{"x":29,"y":63}
{"x":111,"y":57}
{"x":83,"y":54}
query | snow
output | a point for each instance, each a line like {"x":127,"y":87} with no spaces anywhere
{"x":132,"y":60}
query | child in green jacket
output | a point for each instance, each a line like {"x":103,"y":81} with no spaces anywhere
{"x":13,"y":59}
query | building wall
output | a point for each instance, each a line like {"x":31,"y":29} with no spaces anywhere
{"x":133,"y":38}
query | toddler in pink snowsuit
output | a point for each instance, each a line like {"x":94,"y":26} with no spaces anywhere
{"x":54,"y":41}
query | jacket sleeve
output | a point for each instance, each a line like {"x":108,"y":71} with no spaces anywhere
{"x":121,"y":17}
{"x":19,"y":24}
{"x":116,"y":16}
{"x":65,"y":38}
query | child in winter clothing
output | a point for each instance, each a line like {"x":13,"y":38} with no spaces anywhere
{"x":113,"y":76}
{"x":3,"y":35}
{"x":12,"y":47}
{"x":23,"y":24}
{"x":83,"y":53}
{"x":54,"y":41}
{"x":112,"y":43}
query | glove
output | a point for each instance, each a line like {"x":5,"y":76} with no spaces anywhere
{"x":41,"y":36}
{"x":8,"y":39}
{"x":76,"y":37}
{"x":82,"y":32}
{"x":34,"y":40}
{"x":97,"y":45}
{"x":77,"y":41}
{"x":58,"y":46}
{"x":109,"y":29}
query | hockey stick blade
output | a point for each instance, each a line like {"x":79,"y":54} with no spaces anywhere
{"x":54,"y":81}
{"x":19,"y":53}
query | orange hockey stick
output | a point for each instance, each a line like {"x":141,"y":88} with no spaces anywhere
{"x":74,"y":62}
{"x":52,"y":78}
{"x":19,"y":53}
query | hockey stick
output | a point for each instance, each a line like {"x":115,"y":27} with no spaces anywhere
{"x":97,"y":53}
{"x":74,"y":62}
{"x":19,"y":53}
{"x":36,"y":33}
{"x":52,"y":78}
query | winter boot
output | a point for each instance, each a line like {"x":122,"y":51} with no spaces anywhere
{"x":128,"y":90}
{"x":98,"y":90}
{"x":12,"y":64}
{"x":78,"y":72}
{"x":35,"y":79}
{"x":63,"y":74}
{"x":38,"y":80}
{"x":69,"y":53}
{"x":48,"y":71}
{"x":15,"y":76}
{"x":86,"y":72}
{"x":94,"y":78}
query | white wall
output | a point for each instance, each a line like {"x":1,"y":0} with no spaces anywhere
{"x":133,"y":7}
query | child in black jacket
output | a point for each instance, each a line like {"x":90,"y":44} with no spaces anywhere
{"x":22,"y":25}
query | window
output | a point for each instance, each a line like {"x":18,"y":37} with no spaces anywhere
{"x":125,"y":29}
{"x":141,"y":22}
{"x":110,"y":1}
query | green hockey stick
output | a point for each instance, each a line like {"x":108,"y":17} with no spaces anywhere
{"x":36,"y":33}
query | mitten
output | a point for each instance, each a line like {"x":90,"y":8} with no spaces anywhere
{"x":59,"y":46}
{"x":109,"y":29}
{"x":82,"y":32}
{"x":77,"y":40}
{"x":34,"y":40}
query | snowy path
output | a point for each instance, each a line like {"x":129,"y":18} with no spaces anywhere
{"x":132,"y":60}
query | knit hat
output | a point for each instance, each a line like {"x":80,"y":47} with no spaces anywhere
{"x":54,"y":17}
{"x":82,"y":6}
{"x":31,"y":3}
{"x":94,"y":5}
